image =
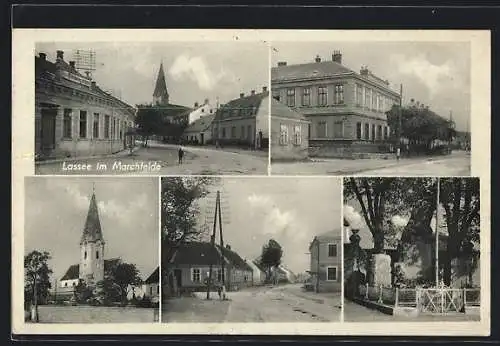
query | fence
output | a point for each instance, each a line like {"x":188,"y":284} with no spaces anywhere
{"x":434,"y":300}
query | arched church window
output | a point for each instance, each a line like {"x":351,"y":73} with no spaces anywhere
{"x":85,"y":255}
{"x":97,"y":254}
{"x":65,"y":284}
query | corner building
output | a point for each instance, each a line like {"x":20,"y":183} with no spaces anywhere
{"x":346,"y":109}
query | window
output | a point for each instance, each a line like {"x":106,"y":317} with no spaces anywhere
{"x":367,"y":131}
{"x":321,"y":129}
{"x":113,"y":124}
{"x":387,"y":132}
{"x":331,"y":274}
{"x":242,"y":133}
{"x":233,"y":132}
{"x":379,"y":133}
{"x":106,"y":126}
{"x":290,"y":97}
{"x":283,"y":134}
{"x":332,"y":250}
{"x":359,"y":95}
{"x":306,"y":97}
{"x":95,"y":132}
{"x":374,"y":132}
{"x":322,"y":96}
{"x":374,"y":100}
{"x":151,"y":290}
{"x":68,"y":123}
{"x":65,"y":284}
{"x":223,"y":132}
{"x":358,"y":131}
{"x":297,"y":138}
{"x":339,"y":94}
{"x":83,"y":124}
{"x":219,"y":275}
{"x":338,"y":129}
{"x":85,"y":255}
{"x":74,"y":284}
{"x":195,"y":275}
{"x":97,"y":254}
{"x":367,"y":97}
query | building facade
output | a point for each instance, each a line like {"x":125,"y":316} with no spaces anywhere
{"x":73,"y":116}
{"x":346,"y":109}
{"x":151,"y":286}
{"x":244,"y":121}
{"x":326,"y":262}
{"x":289,"y":133}
{"x":200,"y":131}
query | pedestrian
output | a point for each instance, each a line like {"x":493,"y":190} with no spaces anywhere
{"x":398,"y":153}
{"x":180,"y":154}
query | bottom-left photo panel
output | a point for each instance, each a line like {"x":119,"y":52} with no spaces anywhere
{"x":91,"y":250}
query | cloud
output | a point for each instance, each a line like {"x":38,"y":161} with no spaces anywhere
{"x":196,"y":69}
{"x":434,"y":77}
{"x":275,"y":220}
{"x":353,"y":217}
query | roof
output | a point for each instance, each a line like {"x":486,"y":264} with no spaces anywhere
{"x":92,"y":230}
{"x":257,"y":264}
{"x":235,"y":259}
{"x":73,"y":271}
{"x":161,"y":84}
{"x":279,"y":109}
{"x":154,"y":277}
{"x":246,"y":106}
{"x":196,"y":253}
{"x":309,"y":70}
{"x":201,"y":124}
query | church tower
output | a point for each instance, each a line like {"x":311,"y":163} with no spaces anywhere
{"x":160,"y":95}
{"x":91,"y":268}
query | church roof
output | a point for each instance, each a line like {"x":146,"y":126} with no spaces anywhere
{"x":73,"y":271}
{"x":92,"y":230}
{"x":161,"y":84}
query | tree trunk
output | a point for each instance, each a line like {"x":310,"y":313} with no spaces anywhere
{"x":378,"y":241}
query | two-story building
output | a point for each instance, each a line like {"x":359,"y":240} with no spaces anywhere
{"x":73,"y":116}
{"x":326,"y":262}
{"x":346,"y":109}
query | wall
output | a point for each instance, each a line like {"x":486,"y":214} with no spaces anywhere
{"x":151,"y":290}
{"x":326,"y":261}
{"x":207,"y":136}
{"x":68,"y":283}
{"x":237,"y":124}
{"x":91,"y":265}
{"x":288,"y":151}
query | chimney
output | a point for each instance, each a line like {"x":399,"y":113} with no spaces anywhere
{"x":242,"y":95}
{"x":228,"y":246}
{"x":264,"y":89}
{"x":72,"y":64}
{"x":43,"y":56}
{"x":317,"y":59}
{"x":196,"y":104}
{"x":60,"y":55}
{"x":252,"y":92}
{"x":364,"y":71}
{"x":281,"y":63}
{"x":337,"y":57}
{"x":93,"y":84}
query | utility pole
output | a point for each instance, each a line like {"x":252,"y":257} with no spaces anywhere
{"x":212,"y":246}
{"x":398,"y":154}
{"x":437,"y":235}
{"x":221,"y":243}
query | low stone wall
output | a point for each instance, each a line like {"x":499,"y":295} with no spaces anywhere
{"x":349,"y":149}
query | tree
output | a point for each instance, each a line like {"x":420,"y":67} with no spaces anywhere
{"x":117,"y":277}
{"x":37,"y":278}
{"x":271,"y":256}
{"x":149,"y":121}
{"x":179,"y":213}
{"x":82,"y":292}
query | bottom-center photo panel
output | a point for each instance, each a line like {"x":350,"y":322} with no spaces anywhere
{"x":251,"y":249}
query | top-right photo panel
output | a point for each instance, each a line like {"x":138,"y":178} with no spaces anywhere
{"x":371,"y":108}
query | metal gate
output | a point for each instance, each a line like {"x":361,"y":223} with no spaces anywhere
{"x":441,"y":300}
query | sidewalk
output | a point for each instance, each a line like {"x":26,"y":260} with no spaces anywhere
{"x":121,"y":153}
{"x":201,"y":148}
{"x":194,"y":309}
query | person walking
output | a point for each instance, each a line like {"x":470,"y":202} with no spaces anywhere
{"x":180,"y":154}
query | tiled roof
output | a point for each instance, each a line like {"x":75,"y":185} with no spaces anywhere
{"x":154,"y":277}
{"x":73,"y":271}
{"x":235,"y":259}
{"x":196,"y":253}
{"x":92,"y":230}
{"x":201,"y":124}
{"x":246,"y":106}
{"x":309,"y":70}
{"x":257,"y":264}
{"x":278,"y":109}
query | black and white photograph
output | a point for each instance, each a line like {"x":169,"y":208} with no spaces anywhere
{"x":177,"y":108}
{"x":91,"y":250}
{"x":238,"y":250}
{"x":371,"y":108}
{"x":411,"y":249}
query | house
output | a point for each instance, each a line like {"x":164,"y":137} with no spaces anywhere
{"x":151,"y":286}
{"x":259,"y":273}
{"x":200,"y":131}
{"x":74,"y":117}
{"x":326,"y":262}
{"x":284,"y":274}
{"x":289,"y":133}
{"x":346,"y":109}
{"x":244,"y":121}
{"x":189,"y":267}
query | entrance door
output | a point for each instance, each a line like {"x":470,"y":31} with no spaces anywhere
{"x":178,"y":277}
{"x":260,"y":140}
{"x":48,"y":131}
{"x":202,"y":138}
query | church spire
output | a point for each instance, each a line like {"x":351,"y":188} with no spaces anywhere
{"x":160,"y":94}
{"x":92,"y":230}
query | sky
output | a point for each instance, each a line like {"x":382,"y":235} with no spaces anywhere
{"x":194,"y":71}
{"x":290,"y":210}
{"x":56,"y":209}
{"x":435,"y":74}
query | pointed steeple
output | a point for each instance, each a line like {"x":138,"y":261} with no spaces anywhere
{"x":160,"y":94}
{"x":92,"y":230}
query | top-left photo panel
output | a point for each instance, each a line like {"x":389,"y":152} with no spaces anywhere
{"x":175,"y":108}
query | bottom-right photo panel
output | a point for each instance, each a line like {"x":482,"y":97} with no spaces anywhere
{"x":411,"y":249}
